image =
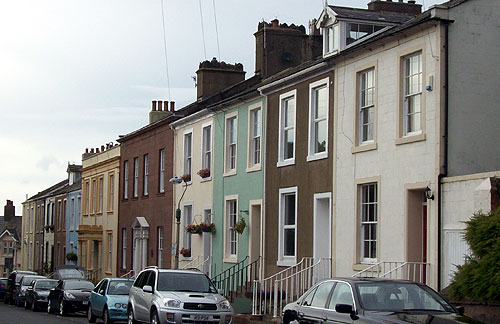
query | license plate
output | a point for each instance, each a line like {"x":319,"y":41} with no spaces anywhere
{"x":200,"y":317}
{"x":85,"y":302}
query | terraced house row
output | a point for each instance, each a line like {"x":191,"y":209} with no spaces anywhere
{"x":351,"y":150}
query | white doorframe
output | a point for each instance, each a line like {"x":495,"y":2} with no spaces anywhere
{"x":318,"y":196}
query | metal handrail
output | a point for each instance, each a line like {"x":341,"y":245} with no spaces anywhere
{"x":407,"y":270}
{"x":237,"y":278}
{"x":128,"y":274}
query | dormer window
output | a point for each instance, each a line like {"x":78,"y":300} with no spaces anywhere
{"x":330,"y":39}
{"x":357,"y":31}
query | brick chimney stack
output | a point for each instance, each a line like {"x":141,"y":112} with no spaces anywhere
{"x":9,"y":211}
{"x":213,"y":76}
{"x":410,"y":7}
{"x":159,"y":110}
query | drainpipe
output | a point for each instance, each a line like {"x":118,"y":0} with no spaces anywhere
{"x":445,"y":157}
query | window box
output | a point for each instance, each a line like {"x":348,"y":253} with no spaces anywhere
{"x":204,"y":173}
{"x":186,"y":177}
{"x":185,"y":252}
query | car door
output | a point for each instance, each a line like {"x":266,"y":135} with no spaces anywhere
{"x":94,"y":298}
{"x":342,"y":294}
{"x":55,"y":293}
{"x":148,"y":297}
{"x":30,"y":292}
{"x":141,"y":310}
{"x":313,"y":307}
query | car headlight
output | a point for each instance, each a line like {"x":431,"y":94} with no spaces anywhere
{"x":117,"y":305}
{"x":69,"y":295}
{"x":224,"y":305}
{"x":174,"y":303}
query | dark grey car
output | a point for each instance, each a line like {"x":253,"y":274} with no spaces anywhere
{"x":368,"y":300}
{"x":37,"y":294}
{"x":71,"y":295}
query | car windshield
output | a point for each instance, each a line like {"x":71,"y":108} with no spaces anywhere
{"x":400,"y":296}
{"x":78,"y":285}
{"x":119,"y":287}
{"x":192,"y":282}
{"x":27,"y":280}
{"x":45,"y":284}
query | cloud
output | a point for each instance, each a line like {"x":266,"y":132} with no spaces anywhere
{"x":46,"y":162}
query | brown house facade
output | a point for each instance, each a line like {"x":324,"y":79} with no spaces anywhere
{"x":61,"y":202}
{"x":145,"y":201}
{"x":299,"y":166}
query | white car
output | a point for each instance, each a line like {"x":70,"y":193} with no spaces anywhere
{"x":176,"y":296}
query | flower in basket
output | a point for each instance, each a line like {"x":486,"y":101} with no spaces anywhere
{"x":204,"y":173}
{"x":193,"y":228}
{"x":185,"y":252}
{"x":208,"y":227}
{"x":71,"y":257}
{"x":186,"y":177}
{"x":239,"y":227}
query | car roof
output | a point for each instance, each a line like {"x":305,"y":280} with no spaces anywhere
{"x":181,"y":271}
{"x":369,"y":279}
{"x":75,"y":279}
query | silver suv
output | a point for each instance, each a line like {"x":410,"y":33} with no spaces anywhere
{"x":176,"y":296}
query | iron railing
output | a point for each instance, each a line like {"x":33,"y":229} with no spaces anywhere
{"x":237,"y":280}
{"x":403,"y":270}
{"x":200,"y":264}
{"x":129,"y":274}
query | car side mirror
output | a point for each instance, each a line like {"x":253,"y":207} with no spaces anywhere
{"x":343,"y":308}
{"x":147,"y":289}
{"x":460,"y":309}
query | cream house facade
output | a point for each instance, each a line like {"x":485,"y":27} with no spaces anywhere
{"x":28,"y":236}
{"x":97,"y":232}
{"x":388,"y":110}
{"x":9,"y":254}
{"x":193,"y":147}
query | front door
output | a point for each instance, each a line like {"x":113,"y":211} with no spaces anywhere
{"x":322,"y":235}
{"x":207,"y":243}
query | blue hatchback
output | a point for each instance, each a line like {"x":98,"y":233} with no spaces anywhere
{"x":109,"y":300}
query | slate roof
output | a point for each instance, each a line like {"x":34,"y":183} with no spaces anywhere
{"x":14,"y":226}
{"x":48,"y":191}
{"x":365,"y":14}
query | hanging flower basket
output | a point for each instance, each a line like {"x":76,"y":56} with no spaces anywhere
{"x":186,"y":177}
{"x":194,"y":229}
{"x":208,"y":227}
{"x":239,"y":227}
{"x":72,"y":257}
{"x":186,"y":252}
{"x":204,"y":173}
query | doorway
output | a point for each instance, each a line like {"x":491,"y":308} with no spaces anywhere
{"x":322,"y":240}
{"x":207,"y":243}
{"x":255,"y":243}
{"x":417,"y":232}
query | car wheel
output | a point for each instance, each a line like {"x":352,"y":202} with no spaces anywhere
{"x":105,"y":317}
{"x":26,"y":305}
{"x":130,"y":315}
{"x":90,"y":317}
{"x":34,"y":307}
{"x":62,"y":311}
{"x":154,"y":318}
{"x":49,"y":307}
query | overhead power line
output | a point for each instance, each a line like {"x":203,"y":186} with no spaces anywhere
{"x":216,"y":31}
{"x":203,"y":31}
{"x":165,"y":48}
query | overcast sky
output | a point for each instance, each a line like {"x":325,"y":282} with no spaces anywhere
{"x":76,"y":74}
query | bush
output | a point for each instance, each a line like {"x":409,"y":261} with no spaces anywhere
{"x":479,"y":277}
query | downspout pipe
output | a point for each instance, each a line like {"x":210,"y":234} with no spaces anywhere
{"x":445,"y":156}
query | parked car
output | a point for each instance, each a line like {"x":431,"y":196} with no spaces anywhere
{"x":180,"y":296}
{"x":38,"y":293}
{"x":69,"y":295}
{"x":13,"y":284}
{"x":20,"y":294}
{"x":69,"y":271}
{"x":369,"y":300}
{"x":109,"y":300}
{"x":3,"y":284}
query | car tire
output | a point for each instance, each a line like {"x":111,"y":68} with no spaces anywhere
{"x":62,"y":310}
{"x":34,"y":307}
{"x":105,"y":316}
{"x":130,"y":316}
{"x":90,"y":317}
{"x":49,"y":307}
{"x":154,"y":317}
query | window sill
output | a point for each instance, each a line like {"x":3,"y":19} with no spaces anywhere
{"x":409,"y":139}
{"x":364,"y":266}
{"x":285,"y":163}
{"x":108,"y":272}
{"x":230,"y":173}
{"x":186,"y":258}
{"x":205,"y":179}
{"x":364,"y":148}
{"x":159,"y":194}
{"x":317,"y":156}
{"x":184,"y":184}
{"x":286,"y":263}
{"x":230,"y":260}
{"x":254,"y":168}
{"x":325,"y":55}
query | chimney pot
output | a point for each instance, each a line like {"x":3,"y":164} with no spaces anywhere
{"x":275,"y":23}
{"x":87,"y":150}
{"x":160,"y":105}
{"x":172,"y":106}
{"x":92,"y":151}
{"x":97,"y":150}
{"x":102,"y":148}
{"x":165,"y":105}
{"x":154,"y":105}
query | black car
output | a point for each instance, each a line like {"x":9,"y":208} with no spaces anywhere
{"x":70,"y":295}
{"x":3,"y":285}
{"x":13,"y":284}
{"x":38,"y":293}
{"x":368,"y":300}
{"x":20,"y":294}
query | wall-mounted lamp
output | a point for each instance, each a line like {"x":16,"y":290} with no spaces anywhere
{"x":429,"y":194}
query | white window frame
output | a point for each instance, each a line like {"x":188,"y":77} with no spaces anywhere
{"x":362,"y":257}
{"x":252,"y":164}
{"x":227,"y":151}
{"x":145,"y":186}
{"x":361,"y":108}
{"x":78,"y":212}
{"x":109,"y":265}
{"x":162,"y":171}
{"x":282,"y":259}
{"x":186,"y":237}
{"x":206,"y":152}
{"x":313,"y":121}
{"x":125,"y":180}
{"x":124,"y":248}
{"x":187,"y":155}
{"x":111,"y":185}
{"x":282,"y":141}
{"x":160,"y":246}
{"x":228,"y":256}
{"x":418,"y":94}
{"x":136,"y":177}
{"x":100,"y":189}
{"x":72,"y":215}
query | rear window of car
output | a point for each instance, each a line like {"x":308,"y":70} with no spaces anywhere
{"x":119,"y":287}
{"x":45,"y":284}
{"x":171,"y":281}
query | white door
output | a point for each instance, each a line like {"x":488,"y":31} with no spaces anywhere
{"x":207,"y":243}
{"x":322,"y":235}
